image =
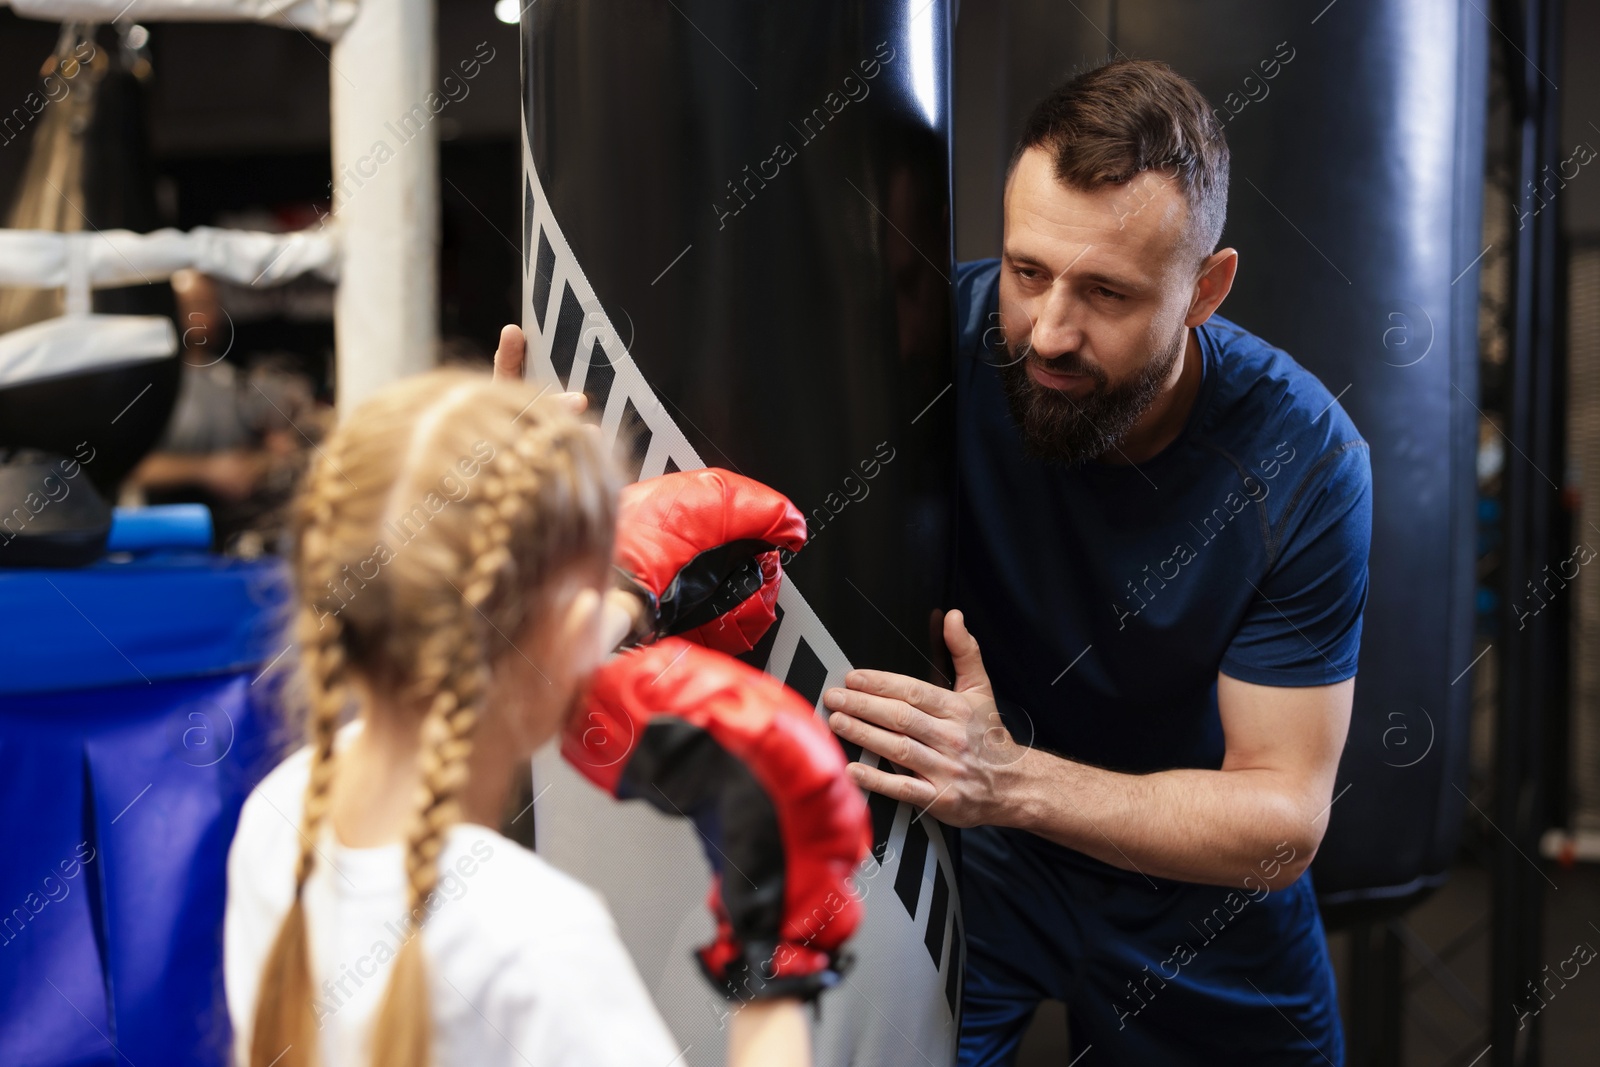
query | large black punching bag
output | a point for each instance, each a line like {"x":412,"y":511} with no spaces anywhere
{"x":737,"y":243}
{"x":1357,"y":208}
{"x":1356,"y":132}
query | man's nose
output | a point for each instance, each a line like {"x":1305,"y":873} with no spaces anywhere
{"x":1057,"y":331}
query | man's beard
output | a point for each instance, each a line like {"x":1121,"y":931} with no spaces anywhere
{"x":1060,"y":429}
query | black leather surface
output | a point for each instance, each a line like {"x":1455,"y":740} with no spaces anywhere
{"x":807,"y":325}
{"x":1356,"y":207}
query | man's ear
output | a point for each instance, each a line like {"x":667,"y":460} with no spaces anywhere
{"x":1212,"y":286}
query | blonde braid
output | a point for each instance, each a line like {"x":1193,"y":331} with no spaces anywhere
{"x":458,"y":660}
{"x":447,"y":728}
{"x":426,"y":627}
{"x":286,"y":1026}
{"x":328,"y":687}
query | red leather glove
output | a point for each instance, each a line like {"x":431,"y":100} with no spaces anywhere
{"x":699,"y":734}
{"x":700,"y":548}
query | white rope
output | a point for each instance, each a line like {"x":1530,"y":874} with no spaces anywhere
{"x":43,"y":259}
{"x":325,"y":18}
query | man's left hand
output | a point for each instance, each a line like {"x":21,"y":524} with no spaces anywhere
{"x":510,"y":364}
{"x":510,"y":356}
{"x":960,"y":756}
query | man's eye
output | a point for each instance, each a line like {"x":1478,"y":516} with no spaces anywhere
{"x":1027,"y":275}
{"x":1101,"y":290}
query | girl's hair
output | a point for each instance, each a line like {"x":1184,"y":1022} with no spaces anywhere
{"x":425,"y":531}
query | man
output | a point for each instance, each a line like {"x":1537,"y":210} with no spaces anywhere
{"x":1163,"y":526}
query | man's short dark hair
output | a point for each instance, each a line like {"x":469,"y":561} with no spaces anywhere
{"x":1110,"y":124}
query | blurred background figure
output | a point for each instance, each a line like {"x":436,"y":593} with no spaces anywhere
{"x":239,"y":432}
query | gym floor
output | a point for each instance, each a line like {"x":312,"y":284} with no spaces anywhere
{"x":1447,"y":976}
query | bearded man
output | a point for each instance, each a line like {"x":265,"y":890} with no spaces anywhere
{"x":1163,"y":524}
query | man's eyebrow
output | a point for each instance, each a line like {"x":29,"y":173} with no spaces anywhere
{"x":1024,"y":258}
{"x":1114,"y":281}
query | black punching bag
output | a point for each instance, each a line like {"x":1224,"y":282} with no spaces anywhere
{"x":737,"y":243}
{"x":1357,"y":209}
{"x":1356,"y":132}
{"x":89,"y":168}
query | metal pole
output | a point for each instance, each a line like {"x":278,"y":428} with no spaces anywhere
{"x":385,"y":196}
{"x":1377,"y":996}
{"x":1530,"y":496}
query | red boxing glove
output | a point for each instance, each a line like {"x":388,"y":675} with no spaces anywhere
{"x":700,"y":548}
{"x":701,"y":735}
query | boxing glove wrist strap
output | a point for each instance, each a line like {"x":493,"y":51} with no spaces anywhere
{"x":712,"y":584}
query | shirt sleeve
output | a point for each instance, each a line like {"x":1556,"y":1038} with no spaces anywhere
{"x":586,"y":1005}
{"x":615,"y":1021}
{"x":1303,"y":627}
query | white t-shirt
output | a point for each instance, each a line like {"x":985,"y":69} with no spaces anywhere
{"x":524,"y":963}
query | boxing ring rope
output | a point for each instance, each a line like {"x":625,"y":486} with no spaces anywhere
{"x":80,"y":341}
{"x":325,"y":18}
{"x":381,"y":68}
{"x":110,"y":258}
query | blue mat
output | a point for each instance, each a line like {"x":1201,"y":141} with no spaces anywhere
{"x":136,"y":713}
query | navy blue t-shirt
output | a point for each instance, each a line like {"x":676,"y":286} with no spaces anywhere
{"x":1107,"y":598}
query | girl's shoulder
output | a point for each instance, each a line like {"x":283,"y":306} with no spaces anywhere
{"x":506,"y":881}
{"x":535,"y":952}
{"x":266,"y":838}
{"x":274,"y":805}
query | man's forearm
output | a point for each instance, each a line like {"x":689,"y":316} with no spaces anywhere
{"x":1215,"y":827}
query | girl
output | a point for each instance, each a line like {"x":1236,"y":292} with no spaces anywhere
{"x":451,"y":551}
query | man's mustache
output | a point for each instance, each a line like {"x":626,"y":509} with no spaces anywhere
{"x":1065,"y":363}
{"x":1068,"y":363}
